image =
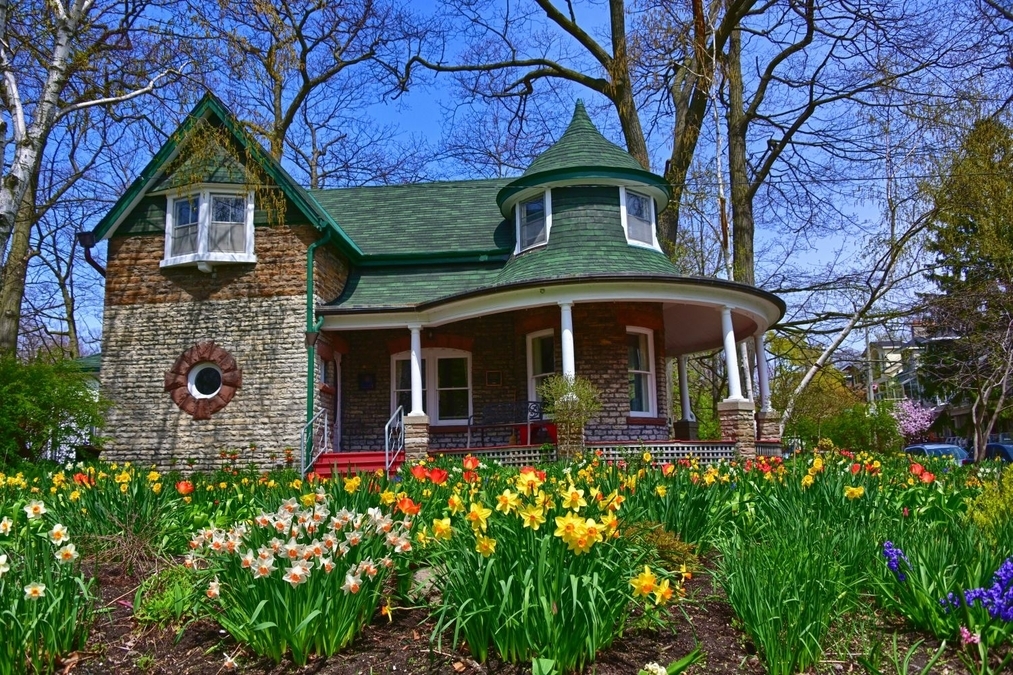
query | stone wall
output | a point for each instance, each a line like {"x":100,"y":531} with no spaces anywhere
{"x":599,"y":335}
{"x":133,"y":275}
{"x":257,"y":312}
{"x":141,"y":342}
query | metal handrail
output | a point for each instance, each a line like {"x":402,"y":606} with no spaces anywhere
{"x":309,"y":450}
{"x":393,"y":435}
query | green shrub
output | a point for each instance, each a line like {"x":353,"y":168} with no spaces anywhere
{"x":44,"y":405}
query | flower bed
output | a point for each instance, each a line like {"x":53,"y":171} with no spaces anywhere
{"x":543,"y":565}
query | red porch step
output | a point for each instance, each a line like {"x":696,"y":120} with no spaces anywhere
{"x":343,"y":463}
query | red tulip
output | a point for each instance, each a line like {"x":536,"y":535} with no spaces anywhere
{"x":927,"y":477}
{"x":419,"y":471}
{"x":917,"y":469}
{"x":855,"y":468}
{"x":184,"y":487}
{"x":470,"y":462}
{"x":438,"y":476}
{"x":408,"y":507}
{"x":469,"y":476}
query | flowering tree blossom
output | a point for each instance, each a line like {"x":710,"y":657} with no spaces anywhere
{"x":913,"y":419}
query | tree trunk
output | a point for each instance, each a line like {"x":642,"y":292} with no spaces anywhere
{"x":738,"y":168}
{"x":16,"y":271}
{"x":622,"y":90}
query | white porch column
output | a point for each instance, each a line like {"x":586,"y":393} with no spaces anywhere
{"x":566,"y":321}
{"x":762,"y":376}
{"x":687,"y":412}
{"x":416,"y":368}
{"x":731,"y":358}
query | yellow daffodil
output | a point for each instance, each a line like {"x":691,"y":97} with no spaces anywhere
{"x":153,"y":476}
{"x":663,"y":592}
{"x":486,"y":546}
{"x":532,"y":517}
{"x":807,"y":480}
{"x":442,"y":528}
{"x":508,"y":502}
{"x":478,"y":516}
{"x":661,"y":490}
{"x":352,"y":484}
{"x":387,"y":497}
{"x":644,"y":583}
{"x":573,"y":498}
{"x":455,"y":504}
{"x":854,"y":492}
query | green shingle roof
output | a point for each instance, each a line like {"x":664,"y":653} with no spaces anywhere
{"x":586,"y":241}
{"x":583,"y":156}
{"x":90,"y":364}
{"x":428,"y":219}
{"x":582,"y":146}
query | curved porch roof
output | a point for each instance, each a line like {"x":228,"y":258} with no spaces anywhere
{"x":427,"y":296}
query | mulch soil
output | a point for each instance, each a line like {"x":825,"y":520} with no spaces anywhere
{"x":402,"y":644}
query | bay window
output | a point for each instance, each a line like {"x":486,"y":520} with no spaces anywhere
{"x":211,"y":225}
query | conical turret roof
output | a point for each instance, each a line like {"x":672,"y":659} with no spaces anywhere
{"x":582,"y":146}
{"x":582,"y":156}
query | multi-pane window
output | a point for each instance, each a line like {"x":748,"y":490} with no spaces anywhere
{"x":208,"y":227}
{"x":641,"y":371}
{"x":446,"y":385}
{"x":541,"y":361}
{"x":639,"y":218}
{"x":186,"y":220}
{"x":533,"y":222}
{"x":227,"y":233}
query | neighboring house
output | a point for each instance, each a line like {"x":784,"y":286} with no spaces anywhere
{"x":227,"y":326}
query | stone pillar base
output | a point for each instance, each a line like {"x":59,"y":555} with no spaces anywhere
{"x":736,"y":418}
{"x":416,"y":436}
{"x":686,"y":430}
{"x":768,"y":426}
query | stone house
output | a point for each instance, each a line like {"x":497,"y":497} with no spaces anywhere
{"x":244,"y":313}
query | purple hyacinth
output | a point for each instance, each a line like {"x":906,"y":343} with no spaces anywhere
{"x":893,"y":557}
{"x":997,"y":598}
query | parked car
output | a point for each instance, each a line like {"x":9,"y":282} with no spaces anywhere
{"x":939,"y":450}
{"x":1001,"y":451}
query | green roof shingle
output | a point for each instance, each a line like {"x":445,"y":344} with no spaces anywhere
{"x":582,"y":146}
{"x":427,"y":219}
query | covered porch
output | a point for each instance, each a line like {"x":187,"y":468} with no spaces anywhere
{"x":465,"y":378}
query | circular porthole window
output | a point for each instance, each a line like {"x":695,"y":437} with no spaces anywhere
{"x":204,"y":380}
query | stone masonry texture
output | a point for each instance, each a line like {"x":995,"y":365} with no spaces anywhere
{"x":141,"y":342}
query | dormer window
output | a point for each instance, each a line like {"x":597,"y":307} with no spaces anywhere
{"x":638,"y":218}
{"x":534,"y":220}
{"x":209,"y":226}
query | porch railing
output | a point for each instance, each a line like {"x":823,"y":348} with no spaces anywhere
{"x":662,"y":451}
{"x":769,"y":449}
{"x":393,"y":438}
{"x":314,"y":441}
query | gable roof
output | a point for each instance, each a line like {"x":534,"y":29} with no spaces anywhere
{"x":211,"y":107}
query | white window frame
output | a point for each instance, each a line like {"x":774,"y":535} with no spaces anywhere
{"x":431,"y":394}
{"x":625,"y":220}
{"x":203,"y":257}
{"x":547,"y":200}
{"x":531,"y":337}
{"x":652,"y":377}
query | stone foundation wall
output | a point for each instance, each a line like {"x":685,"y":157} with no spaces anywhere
{"x":141,"y":342}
